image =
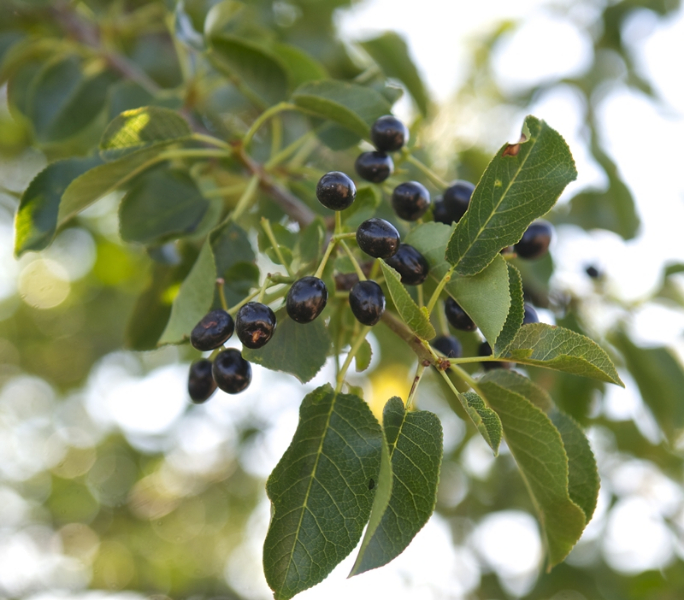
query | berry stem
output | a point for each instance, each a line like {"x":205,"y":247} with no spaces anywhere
{"x":352,"y":353}
{"x":263,"y":117}
{"x":352,"y":258}
{"x":438,"y":290}
{"x":414,"y":386}
{"x":326,"y":256}
{"x":290,"y":149}
{"x":443,"y":324}
{"x":222,"y":294}
{"x":245,"y":200}
{"x":420,"y":295}
{"x":338,"y":222}
{"x":193,"y":153}
{"x":266,"y":225}
{"x":427,"y":171}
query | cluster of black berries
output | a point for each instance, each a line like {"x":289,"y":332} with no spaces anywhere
{"x":254,"y":324}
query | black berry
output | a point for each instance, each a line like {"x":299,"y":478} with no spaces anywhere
{"x":201,"y":384}
{"x":306,"y":299}
{"x":378,"y":238}
{"x":367,"y":302}
{"x":592,"y":272}
{"x":439,"y":212}
{"x":336,"y":191}
{"x":457,"y":317}
{"x":486,"y":350}
{"x":389,"y":134}
{"x":255,"y":324}
{"x":447,"y":345}
{"x":213,"y":330}
{"x":410,"y":264}
{"x":231,"y":372}
{"x":374,"y":166}
{"x":410,"y":200}
{"x":457,"y":199}
{"x":530,"y":315}
{"x":535,"y":241}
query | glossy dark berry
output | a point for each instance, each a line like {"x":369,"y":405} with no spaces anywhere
{"x":447,"y":345}
{"x":336,"y":190}
{"x":306,"y":299}
{"x":374,"y":166}
{"x":410,"y":200}
{"x":231,"y":372}
{"x":378,"y":238}
{"x":213,"y":330}
{"x":535,"y":241}
{"x":457,"y":317}
{"x":592,"y":272}
{"x":439,"y":212}
{"x":367,"y":302}
{"x":410,"y":264}
{"x":389,"y":134}
{"x":255,"y":324}
{"x":531,"y":315}
{"x":486,"y":350}
{"x":201,"y":384}
{"x":457,"y":199}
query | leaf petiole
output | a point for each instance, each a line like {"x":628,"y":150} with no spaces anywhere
{"x":266,"y":225}
{"x":263,"y":117}
{"x":352,"y":353}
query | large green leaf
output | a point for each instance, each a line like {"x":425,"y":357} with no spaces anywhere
{"x":485,"y":297}
{"x":36,"y":220}
{"x":300,"y":350}
{"x":103,"y":179}
{"x":414,"y":439}
{"x":516,"y":313}
{"x":255,"y":70}
{"x":484,"y":418}
{"x":522,"y":183}
{"x":416,"y":318}
{"x":353,"y":106}
{"x":299,"y":66}
{"x":194,"y":298}
{"x":62,"y":100}
{"x":538,"y":449}
{"x":390,"y":51}
{"x":322,"y":490}
{"x":233,"y":253}
{"x":141,"y":127}
{"x":660,"y":377}
{"x":583,"y":479}
{"x":558,"y":348}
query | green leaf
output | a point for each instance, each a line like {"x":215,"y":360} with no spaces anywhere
{"x":320,"y":490}
{"x":141,"y":127}
{"x":231,"y":245}
{"x":163,"y":205}
{"x":255,"y":70}
{"x":194,"y":298}
{"x":485,"y":296}
{"x":484,"y":418}
{"x":417,"y":319}
{"x":240,"y":278}
{"x":583,"y":479}
{"x":366,"y":203}
{"x":103,"y":179}
{"x":299,"y":66}
{"x":660,"y":378}
{"x":300,"y":350}
{"x":538,"y":449}
{"x":558,"y":348}
{"x":516,"y":313}
{"x":363,"y":357}
{"x":36,"y":220}
{"x":353,"y":106}
{"x":522,"y":183}
{"x":62,"y":100}
{"x":414,"y":439}
{"x":391,"y":52}
{"x":310,"y":243}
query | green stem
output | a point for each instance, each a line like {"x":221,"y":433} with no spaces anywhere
{"x":438,"y":290}
{"x":352,"y":353}
{"x":414,"y":386}
{"x":420,"y":295}
{"x":263,"y":117}
{"x":345,"y":236}
{"x":286,"y":152}
{"x":427,"y":171}
{"x":464,"y":376}
{"x":245,"y":200}
{"x":210,"y":139}
{"x":338,"y":223}
{"x":222,"y":294}
{"x":227,"y":190}
{"x":352,"y":258}
{"x":193,"y":153}
{"x":276,"y":135}
{"x":266,"y":225}
{"x":326,"y":256}
{"x":443,"y":324}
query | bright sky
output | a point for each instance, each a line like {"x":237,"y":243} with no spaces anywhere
{"x":642,"y":138}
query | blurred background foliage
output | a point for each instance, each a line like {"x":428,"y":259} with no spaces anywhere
{"x":110,"y":479}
